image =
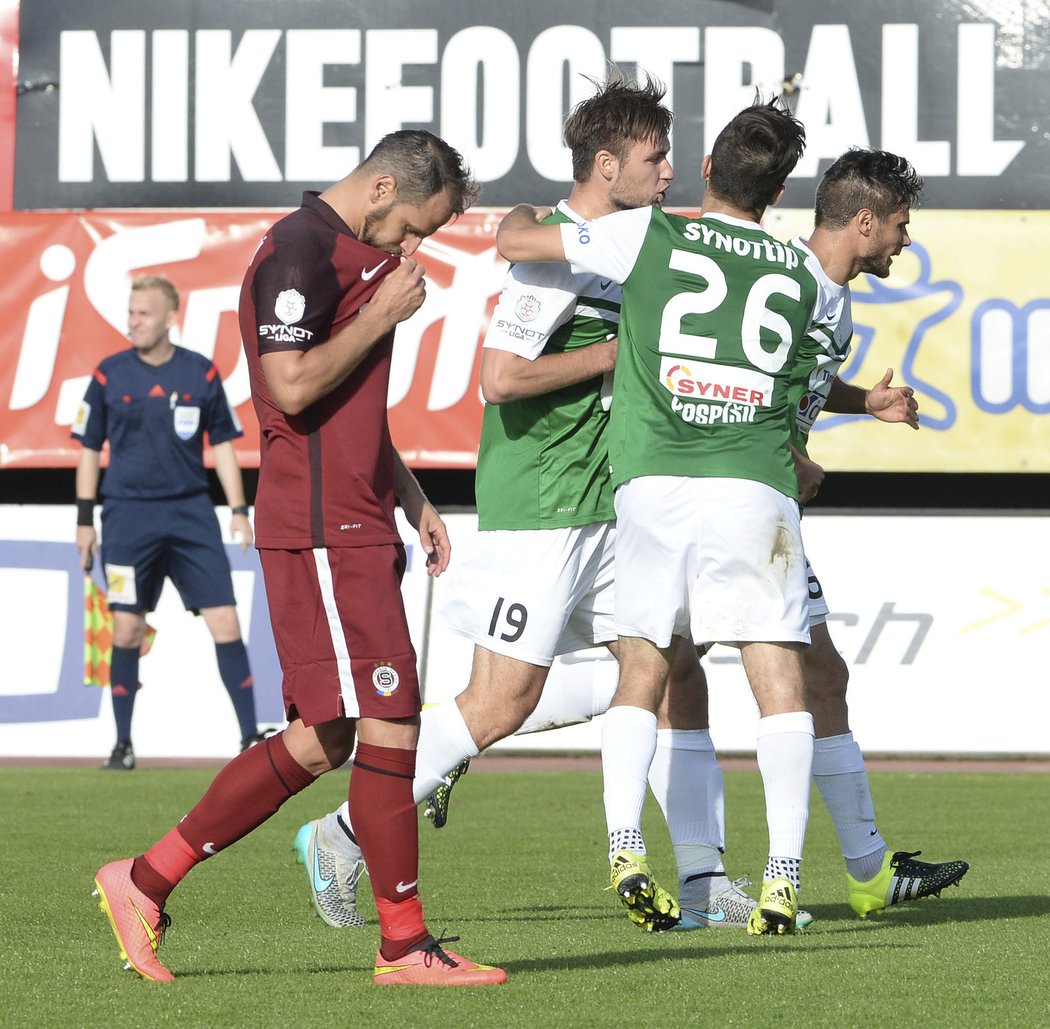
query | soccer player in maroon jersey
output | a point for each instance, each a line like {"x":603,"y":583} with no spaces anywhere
{"x":318,"y":309}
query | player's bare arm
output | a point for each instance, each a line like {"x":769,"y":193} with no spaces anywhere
{"x":506,"y":376}
{"x":423,"y":517}
{"x":521,"y":238}
{"x":229,"y":474}
{"x":299,"y":378}
{"x":87,"y":489}
{"x":883,"y":401}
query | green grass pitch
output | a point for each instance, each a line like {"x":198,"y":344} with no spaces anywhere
{"x":518,"y":874}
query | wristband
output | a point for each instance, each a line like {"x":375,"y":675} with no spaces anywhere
{"x":85,"y":512}
{"x":240,"y":509}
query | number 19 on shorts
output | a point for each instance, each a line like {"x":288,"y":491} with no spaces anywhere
{"x":515,"y":618}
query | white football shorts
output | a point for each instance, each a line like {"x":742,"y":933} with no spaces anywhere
{"x":818,"y":603}
{"x":532,"y":594}
{"x":711,"y":559}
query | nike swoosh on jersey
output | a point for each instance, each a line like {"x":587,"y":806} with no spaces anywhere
{"x":367,"y":273}
{"x":405,"y":887}
{"x":605,"y":283}
{"x":209,"y":848}
{"x":320,"y":882}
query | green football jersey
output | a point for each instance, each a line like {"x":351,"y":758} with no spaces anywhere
{"x":715,"y":316}
{"x":818,"y":365}
{"x":543,"y":462}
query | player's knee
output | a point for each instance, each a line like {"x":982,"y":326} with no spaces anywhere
{"x":320,"y":748}
{"x":827,"y":678}
{"x":129,"y":630}
{"x":495,"y":706}
{"x":223,"y":623}
{"x":330,"y":753}
{"x":502,"y":721}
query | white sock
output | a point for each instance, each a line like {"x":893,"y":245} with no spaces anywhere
{"x":782,"y":868}
{"x":839,"y":774}
{"x":627,"y":838}
{"x":699,"y":889}
{"x":444,"y":741}
{"x":687,"y":782}
{"x":332,"y":829}
{"x":785,"y":759}
{"x":628,"y":744}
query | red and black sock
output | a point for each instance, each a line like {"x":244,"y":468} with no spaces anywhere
{"x":247,"y":791}
{"x":384,"y":817}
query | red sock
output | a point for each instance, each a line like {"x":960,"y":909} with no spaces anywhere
{"x":163,"y":866}
{"x":241,"y":797}
{"x":383,"y":814}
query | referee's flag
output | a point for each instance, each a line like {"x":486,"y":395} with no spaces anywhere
{"x":98,"y":635}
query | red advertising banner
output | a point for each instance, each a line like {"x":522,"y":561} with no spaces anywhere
{"x":972,"y":346}
{"x":8,"y":85}
{"x":65,"y":279}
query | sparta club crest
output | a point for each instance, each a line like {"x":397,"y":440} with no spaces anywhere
{"x":385,"y":680}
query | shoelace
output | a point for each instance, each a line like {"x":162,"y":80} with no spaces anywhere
{"x":162,"y":927}
{"x":432,"y":948}
{"x":353,"y":877}
{"x":902,"y":857}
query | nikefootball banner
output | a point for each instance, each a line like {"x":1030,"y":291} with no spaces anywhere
{"x":184,"y":104}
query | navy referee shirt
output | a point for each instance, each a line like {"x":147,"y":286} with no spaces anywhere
{"x":155,"y":417}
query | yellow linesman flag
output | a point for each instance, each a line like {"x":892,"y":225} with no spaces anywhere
{"x":98,"y":635}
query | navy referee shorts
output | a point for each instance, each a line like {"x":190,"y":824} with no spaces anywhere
{"x":146,"y":541}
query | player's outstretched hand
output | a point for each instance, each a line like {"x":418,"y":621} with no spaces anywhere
{"x":433,"y":538}
{"x":892,"y":403}
{"x":402,"y":292}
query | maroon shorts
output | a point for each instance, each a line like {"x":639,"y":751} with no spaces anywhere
{"x":341,"y":633}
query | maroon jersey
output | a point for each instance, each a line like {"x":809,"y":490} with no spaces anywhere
{"x":326,"y":476}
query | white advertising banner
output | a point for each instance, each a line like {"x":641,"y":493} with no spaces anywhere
{"x":944,"y":622}
{"x":182,"y":709}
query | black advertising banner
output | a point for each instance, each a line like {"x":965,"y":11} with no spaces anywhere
{"x":186,"y":104}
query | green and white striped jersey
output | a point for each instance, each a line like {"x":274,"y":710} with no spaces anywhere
{"x":543,"y":461}
{"x":832,"y":330}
